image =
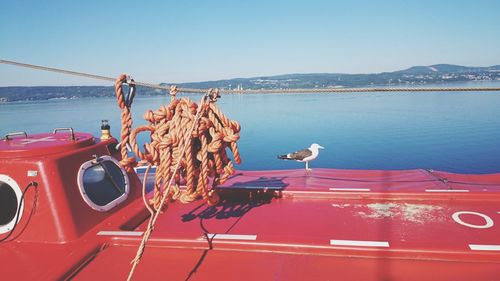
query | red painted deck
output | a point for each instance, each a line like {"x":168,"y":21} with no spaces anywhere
{"x":283,"y":225}
{"x":359,"y":225}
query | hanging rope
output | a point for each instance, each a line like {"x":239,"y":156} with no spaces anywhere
{"x":188,"y":145}
{"x":125,"y":102}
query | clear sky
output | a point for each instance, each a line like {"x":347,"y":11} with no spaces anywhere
{"x":181,"y":41}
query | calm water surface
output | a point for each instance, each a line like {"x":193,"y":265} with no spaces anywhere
{"x":456,"y":132}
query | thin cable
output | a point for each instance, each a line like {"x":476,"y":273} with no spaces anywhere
{"x":249,"y":91}
{"x":93,"y":76}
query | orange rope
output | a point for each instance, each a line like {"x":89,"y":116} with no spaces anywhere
{"x":205,"y":160}
{"x":187,"y":145}
{"x":126,"y":117}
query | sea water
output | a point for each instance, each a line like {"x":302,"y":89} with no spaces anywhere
{"x":448,"y":131}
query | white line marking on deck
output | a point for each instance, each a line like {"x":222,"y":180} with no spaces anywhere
{"x":216,"y":236}
{"x":349,"y":189}
{"x":308,"y":192}
{"x":446,"y":190}
{"x":120,"y":233}
{"x":476,"y":247}
{"x":359,"y":243}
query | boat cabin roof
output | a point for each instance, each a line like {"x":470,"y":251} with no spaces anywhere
{"x":23,"y":145}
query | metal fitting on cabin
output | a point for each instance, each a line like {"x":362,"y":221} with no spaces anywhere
{"x":105,"y":130}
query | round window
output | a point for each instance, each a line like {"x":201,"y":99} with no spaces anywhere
{"x":103,"y":183}
{"x":10,"y":196}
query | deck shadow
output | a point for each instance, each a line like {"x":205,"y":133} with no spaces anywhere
{"x":234,"y":203}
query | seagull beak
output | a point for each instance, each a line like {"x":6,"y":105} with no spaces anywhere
{"x":319,"y":146}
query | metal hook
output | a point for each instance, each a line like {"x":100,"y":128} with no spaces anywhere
{"x":131,"y":91}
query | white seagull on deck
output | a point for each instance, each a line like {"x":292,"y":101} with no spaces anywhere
{"x":304,"y":155}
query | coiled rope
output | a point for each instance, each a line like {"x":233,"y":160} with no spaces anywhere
{"x":188,"y":145}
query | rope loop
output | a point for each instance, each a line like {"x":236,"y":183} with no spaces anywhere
{"x":187,"y":145}
{"x":124,"y":102}
{"x":199,"y":152}
{"x":190,"y":137}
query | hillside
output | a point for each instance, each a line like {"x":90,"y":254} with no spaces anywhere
{"x":439,"y":73}
{"x":417,"y":75}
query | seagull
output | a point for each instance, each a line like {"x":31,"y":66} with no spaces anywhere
{"x":304,"y":155}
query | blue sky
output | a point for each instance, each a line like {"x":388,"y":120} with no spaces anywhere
{"x":180,"y":41}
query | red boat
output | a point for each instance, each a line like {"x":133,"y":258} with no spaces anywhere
{"x":68,"y":210}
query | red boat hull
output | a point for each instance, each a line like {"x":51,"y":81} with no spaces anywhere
{"x":270,"y":225}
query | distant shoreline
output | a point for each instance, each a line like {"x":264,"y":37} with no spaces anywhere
{"x":56,"y":93}
{"x":438,"y":75}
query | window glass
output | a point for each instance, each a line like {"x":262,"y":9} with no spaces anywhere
{"x":103,"y":183}
{"x":8,"y":204}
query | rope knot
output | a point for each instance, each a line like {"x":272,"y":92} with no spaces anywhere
{"x":213,"y":95}
{"x":173,"y":92}
{"x":128,"y":163}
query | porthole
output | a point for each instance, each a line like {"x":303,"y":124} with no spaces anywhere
{"x":103,"y":184}
{"x":10,"y":196}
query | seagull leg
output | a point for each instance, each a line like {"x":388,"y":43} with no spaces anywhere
{"x":307,"y":166}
